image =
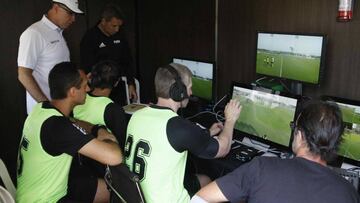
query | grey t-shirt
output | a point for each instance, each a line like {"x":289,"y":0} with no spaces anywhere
{"x":274,"y":180}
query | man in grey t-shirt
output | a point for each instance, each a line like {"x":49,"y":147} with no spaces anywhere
{"x":317,"y":134}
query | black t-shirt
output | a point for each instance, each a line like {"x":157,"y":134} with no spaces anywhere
{"x":184,"y":135}
{"x":59,"y":135}
{"x":95,"y":46}
{"x":115,"y":121}
{"x":274,"y":180}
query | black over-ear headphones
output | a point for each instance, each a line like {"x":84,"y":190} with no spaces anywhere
{"x":95,"y":79}
{"x":104,"y":75}
{"x":177,"y":91}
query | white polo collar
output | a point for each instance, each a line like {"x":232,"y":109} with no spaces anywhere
{"x":50,"y":24}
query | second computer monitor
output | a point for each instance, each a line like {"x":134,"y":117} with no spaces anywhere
{"x":264,"y":116}
{"x":203,"y":77}
{"x":349,"y":147}
{"x":292,"y":56}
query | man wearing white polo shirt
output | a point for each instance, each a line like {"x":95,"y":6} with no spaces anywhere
{"x":41,"y":46}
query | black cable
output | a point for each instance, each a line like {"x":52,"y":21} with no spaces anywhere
{"x":218,"y":116}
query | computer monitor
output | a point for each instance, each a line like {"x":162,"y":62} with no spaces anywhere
{"x":349,"y":149}
{"x":298,"y":57}
{"x":203,"y":80}
{"x":264,"y":116}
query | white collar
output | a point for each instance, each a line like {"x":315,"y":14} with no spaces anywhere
{"x":50,"y":24}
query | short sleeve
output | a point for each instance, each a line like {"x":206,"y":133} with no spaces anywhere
{"x":116,"y":122}
{"x":30,"y":47}
{"x":59,"y":135}
{"x":236,"y":185}
{"x":185,"y":135}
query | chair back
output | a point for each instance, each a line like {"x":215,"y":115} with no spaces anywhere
{"x":124,"y":185}
{"x":5,"y":196}
{"x":137,"y":86}
{"x":5,"y":177}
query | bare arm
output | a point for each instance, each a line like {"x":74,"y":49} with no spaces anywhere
{"x":27,"y":80}
{"x":232,"y":112}
{"x":105,"y":135}
{"x":105,"y":151}
{"x":104,"y":148}
{"x":210,"y":193}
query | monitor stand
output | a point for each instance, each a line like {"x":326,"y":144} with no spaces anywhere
{"x":271,"y":84}
{"x":296,"y":88}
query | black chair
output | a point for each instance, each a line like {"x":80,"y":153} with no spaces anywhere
{"x":123,"y":184}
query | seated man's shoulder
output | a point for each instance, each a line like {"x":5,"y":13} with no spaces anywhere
{"x":57,"y":120}
{"x":61,"y":124}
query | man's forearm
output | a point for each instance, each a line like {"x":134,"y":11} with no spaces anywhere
{"x":225,"y":138}
{"x":28,"y":81}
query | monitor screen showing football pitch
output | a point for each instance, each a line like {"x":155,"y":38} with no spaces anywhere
{"x":350,"y":146}
{"x":203,"y":77}
{"x":290,"y":56}
{"x":264,"y":115}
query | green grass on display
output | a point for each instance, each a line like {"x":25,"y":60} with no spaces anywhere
{"x":350,"y":147}
{"x":202,"y":88}
{"x":287,"y":65}
{"x":265,"y":121}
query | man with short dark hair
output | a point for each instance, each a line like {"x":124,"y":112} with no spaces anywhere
{"x":107,"y":41}
{"x":51,"y":139}
{"x":158,"y":140}
{"x":41,"y":46}
{"x":305,"y":178}
{"x":98,"y":108}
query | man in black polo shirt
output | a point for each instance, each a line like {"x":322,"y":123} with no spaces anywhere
{"x":106,"y":41}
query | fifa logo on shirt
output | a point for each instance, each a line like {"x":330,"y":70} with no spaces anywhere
{"x":82,"y":130}
{"x":117,"y":41}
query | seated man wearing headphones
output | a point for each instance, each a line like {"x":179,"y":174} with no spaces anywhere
{"x":99,"y":109}
{"x":158,"y":139}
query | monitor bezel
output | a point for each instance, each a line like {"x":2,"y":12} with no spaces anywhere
{"x":340,"y":158}
{"x":214,"y":82}
{"x":268,"y":142}
{"x":322,"y":58}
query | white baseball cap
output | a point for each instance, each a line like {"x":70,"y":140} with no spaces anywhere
{"x":73,"y":5}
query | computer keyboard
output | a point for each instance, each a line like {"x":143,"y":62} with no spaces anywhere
{"x":351,"y":176}
{"x":243,"y":152}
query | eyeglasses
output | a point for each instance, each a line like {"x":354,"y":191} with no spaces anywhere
{"x":292,"y":125}
{"x":68,"y":11}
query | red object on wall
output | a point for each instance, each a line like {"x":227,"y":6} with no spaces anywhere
{"x":345,"y":10}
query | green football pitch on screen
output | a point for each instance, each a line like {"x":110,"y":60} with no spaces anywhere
{"x":265,"y":120}
{"x":350,"y":146}
{"x":202,"y":88}
{"x":286,"y":65}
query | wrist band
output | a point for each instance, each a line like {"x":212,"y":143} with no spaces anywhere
{"x":95,"y":129}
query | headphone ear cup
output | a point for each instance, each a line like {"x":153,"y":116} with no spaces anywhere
{"x":95,"y":79}
{"x":178,"y":91}
{"x":183,"y":91}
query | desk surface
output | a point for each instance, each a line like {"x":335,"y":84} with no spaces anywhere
{"x":216,"y":167}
